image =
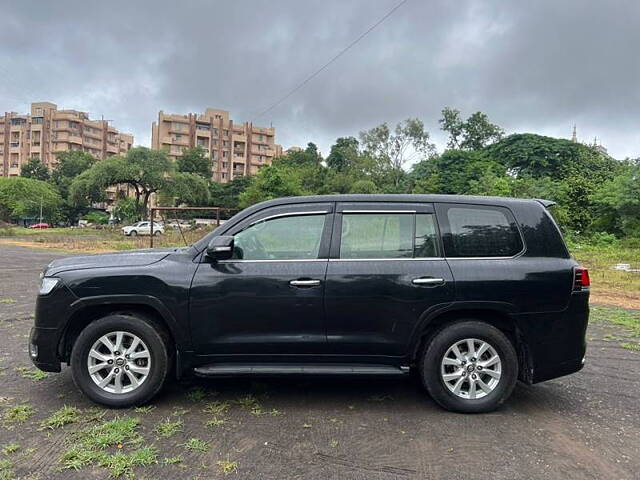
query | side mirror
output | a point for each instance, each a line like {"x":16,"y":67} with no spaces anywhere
{"x":220,"y":248}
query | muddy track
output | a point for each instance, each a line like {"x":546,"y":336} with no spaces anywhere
{"x":585,"y":426}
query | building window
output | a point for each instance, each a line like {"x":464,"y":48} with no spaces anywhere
{"x":37,"y":120}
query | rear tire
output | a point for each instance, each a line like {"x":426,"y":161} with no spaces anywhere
{"x":133,"y":233}
{"x":449,"y":367}
{"x":147,"y":364}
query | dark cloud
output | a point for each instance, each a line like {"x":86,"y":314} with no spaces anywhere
{"x":532,"y":66}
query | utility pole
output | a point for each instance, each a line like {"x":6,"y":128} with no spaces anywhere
{"x":40,"y":208}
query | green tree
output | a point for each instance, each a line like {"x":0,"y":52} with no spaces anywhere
{"x":364,"y":186}
{"x":187,"y":189}
{"x":126,"y":210}
{"x":34,"y":168}
{"x":344,"y":154}
{"x":227,"y":195}
{"x":23,"y":197}
{"x":272,"y":182}
{"x":391,"y":150}
{"x":617,"y":203}
{"x":473,"y":133}
{"x":147,"y":171}
{"x":195,"y":161}
{"x":69,"y":166}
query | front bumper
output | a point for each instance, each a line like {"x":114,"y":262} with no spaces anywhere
{"x":42,"y":350}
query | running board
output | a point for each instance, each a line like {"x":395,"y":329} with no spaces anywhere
{"x":251,"y":369}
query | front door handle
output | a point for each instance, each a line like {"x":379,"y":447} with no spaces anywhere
{"x":427,"y":281}
{"x":304,"y":283}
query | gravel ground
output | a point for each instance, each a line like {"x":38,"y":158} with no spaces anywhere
{"x":585,"y":426}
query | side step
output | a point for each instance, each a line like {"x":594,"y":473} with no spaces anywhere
{"x":235,"y":369}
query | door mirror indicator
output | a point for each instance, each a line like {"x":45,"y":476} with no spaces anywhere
{"x":220,"y":248}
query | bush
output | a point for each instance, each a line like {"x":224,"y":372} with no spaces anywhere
{"x":97,"y":217}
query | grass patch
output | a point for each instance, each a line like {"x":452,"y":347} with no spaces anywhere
{"x":626,"y":319}
{"x":62,"y":417}
{"x":172,"y":460}
{"x":32,"y":373}
{"x":168,"y":428}
{"x":19,"y":413}
{"x":10,"y":449}
{"x":215,"y":422}
{"x":144,"y":410}
{"x":226,"y":466}
{"x":105,"y":446}
{"x":217,"y":408}
{"x":7,"y":301}
{"x":196,"y":445}
{"x":6,"y":470}
{"x":197,"y":395}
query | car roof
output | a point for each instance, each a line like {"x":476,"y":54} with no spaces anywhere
{"x":399,"y":198}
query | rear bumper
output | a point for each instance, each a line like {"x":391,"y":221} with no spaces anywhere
{"x":42,"y":349}
{"x":557,"y":341}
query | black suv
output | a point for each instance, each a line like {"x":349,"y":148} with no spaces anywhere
{"x":473,"y":292}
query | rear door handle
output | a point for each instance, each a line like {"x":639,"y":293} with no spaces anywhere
{"x":427,"y":281}
{"x":304,"y":283}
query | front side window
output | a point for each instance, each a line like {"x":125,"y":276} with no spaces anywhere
{"x":482,"y":232}
{"x":388,"y":235}
{"x":285,"y":238}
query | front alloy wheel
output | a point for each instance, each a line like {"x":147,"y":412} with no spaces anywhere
{"x":119,"y":362}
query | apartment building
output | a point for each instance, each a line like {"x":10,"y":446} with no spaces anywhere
{"x":235,"y":149}
{"x":47,"y":131}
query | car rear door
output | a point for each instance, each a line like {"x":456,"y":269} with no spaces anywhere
{"x":267,"y":299}
{"x":385,"y":271}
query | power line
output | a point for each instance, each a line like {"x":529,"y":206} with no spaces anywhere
{"x":333,"y":59}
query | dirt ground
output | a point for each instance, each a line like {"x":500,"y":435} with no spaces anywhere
{"x":584,"y":426}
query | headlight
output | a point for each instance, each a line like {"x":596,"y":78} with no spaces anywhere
{"x":47,"y":284}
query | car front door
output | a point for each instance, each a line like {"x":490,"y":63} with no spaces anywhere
{"x":268,"y":298}
{"x":385,"y":271}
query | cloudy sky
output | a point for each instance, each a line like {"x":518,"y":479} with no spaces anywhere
{"x":538,"y":66}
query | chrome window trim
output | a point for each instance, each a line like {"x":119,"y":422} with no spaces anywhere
{"x":288,"y":260}
{"x":401,"y":259}
{"x":287,"y":214}
{"x":378,"y":211}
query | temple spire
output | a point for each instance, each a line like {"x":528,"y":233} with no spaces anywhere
{"x":574,"y":137}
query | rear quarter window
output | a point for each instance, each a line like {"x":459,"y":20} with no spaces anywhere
{"x":479,"y":231}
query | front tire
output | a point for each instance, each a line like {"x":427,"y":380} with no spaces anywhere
{"x":469,"y":367}
{"x":133,"y":233}
{"x":120,"y":360}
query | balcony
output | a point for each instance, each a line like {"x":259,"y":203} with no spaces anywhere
{"x":77,"y":139}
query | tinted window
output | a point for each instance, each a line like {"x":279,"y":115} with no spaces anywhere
{"x":388,"y":235}
{"x":426,"y":236}
{"x":285,"y":238}
{"x":482,"y":232}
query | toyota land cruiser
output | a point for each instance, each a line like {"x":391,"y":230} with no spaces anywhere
{"x":473,"y":293}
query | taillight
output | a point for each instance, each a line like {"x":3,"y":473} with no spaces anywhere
{"x":581,"y":278}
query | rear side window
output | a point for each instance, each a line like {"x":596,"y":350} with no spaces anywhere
{"x":481,"y":232}
{"x":388,"y":235}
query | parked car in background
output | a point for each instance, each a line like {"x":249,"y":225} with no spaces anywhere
{"x":471,"y":293}
{"x":143,"y":228}
{"x":40,"y":225}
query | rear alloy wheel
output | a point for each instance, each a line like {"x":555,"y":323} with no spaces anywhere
{"x":120,"y":360}
{"x":470,"y":367}
{"x":157,"y":233}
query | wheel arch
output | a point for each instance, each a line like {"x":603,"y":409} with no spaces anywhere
{"x":497,"y":315}
{"x":87,"y":310}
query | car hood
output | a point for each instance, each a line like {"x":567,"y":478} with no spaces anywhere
{"x":132,"y":258}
